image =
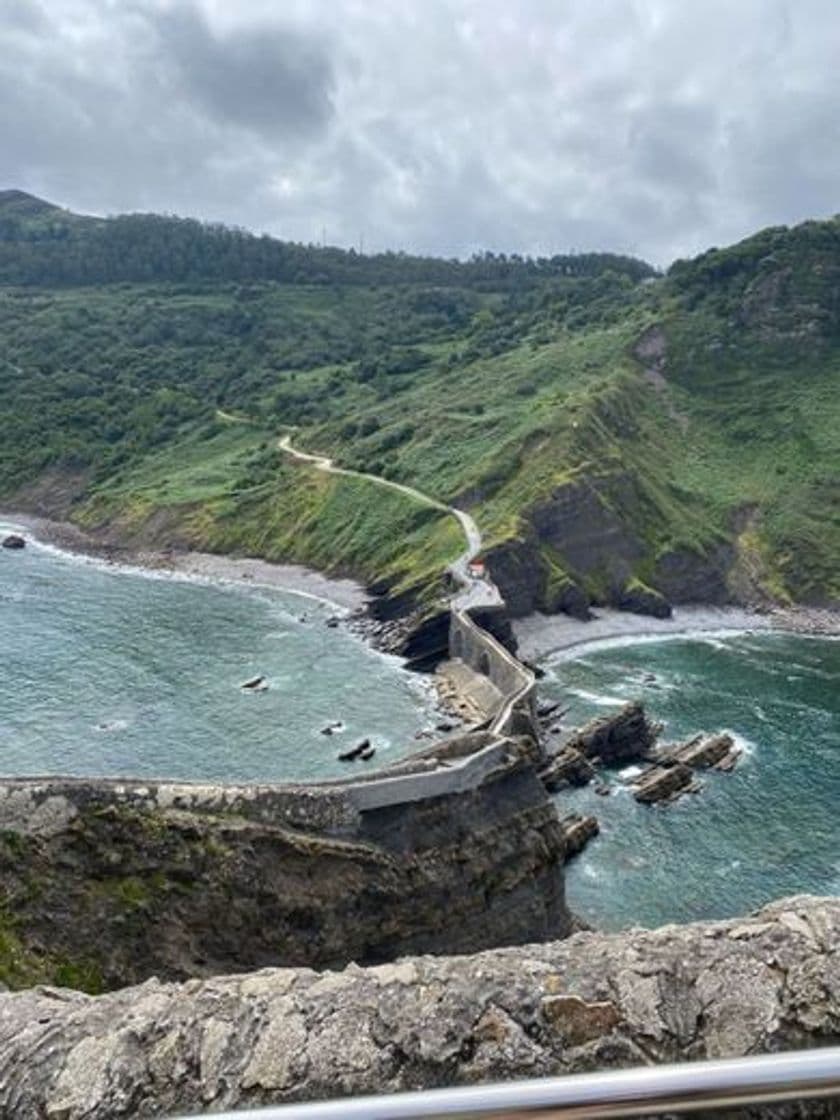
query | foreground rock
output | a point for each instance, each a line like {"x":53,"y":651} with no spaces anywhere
{"x":13,"y":541}
{"x":712,"y":990}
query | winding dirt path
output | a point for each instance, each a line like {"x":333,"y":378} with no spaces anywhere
{"x":475,"y":592}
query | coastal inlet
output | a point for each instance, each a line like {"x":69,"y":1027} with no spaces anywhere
{"x":767,"y":829}
{"x":113,"y":672}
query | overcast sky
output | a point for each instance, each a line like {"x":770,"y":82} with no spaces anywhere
{"x":656,"y":127}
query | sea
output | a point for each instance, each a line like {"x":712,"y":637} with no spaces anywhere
{"x":112,"y":671}
{"x":769,"y":829}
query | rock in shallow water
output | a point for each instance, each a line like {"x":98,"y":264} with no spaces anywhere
{"x":13,"y":541}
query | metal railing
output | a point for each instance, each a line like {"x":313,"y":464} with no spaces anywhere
{"x":650,"y":1091}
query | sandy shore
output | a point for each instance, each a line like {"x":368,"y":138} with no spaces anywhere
{"x":540,"y":634}
{"x":344,"y":594}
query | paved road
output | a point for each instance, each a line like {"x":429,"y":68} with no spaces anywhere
{"x":475,"y":592}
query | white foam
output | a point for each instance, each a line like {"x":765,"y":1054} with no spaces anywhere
{"x":630,"y":772}
{"x":601,"y":700}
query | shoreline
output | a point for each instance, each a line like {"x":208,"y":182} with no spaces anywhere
{"x":541,"y":636}
{"x":345,"y":595}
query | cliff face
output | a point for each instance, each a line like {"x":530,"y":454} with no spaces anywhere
{"x":767,"y":983}
{"x":109,"y":884}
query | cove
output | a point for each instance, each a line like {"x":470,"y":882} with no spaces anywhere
{"x":112,"y":672}
{"x":768,"y":829}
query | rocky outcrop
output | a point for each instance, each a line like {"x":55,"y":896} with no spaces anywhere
{"x":113,"y":882}
{"x":705,"y":751}
{"x":567,"y":768}
{"x":13,"y":541}
{"x":721,"y":989}
{"x":624,"y":737}
{"x":664,"y":783}
{"x":578,"y":830}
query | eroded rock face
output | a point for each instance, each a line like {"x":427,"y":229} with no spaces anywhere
{"x":624,"y":737}
{"x":121,"y":884}
{"x":712,"y":990}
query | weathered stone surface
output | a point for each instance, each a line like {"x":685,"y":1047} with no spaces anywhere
{"x":664,"y":783}
{"x":624,"y":737}
{"x":567,"y":768}
{"x":578,"y":830}
{"x":704,"y":751}
{"x":762,"y":984}
{"x":128,"y":880}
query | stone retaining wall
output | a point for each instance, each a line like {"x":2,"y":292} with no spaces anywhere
{"x":682,"y":993}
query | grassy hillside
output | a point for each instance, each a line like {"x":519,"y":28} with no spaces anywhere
{"x":615,"y":434}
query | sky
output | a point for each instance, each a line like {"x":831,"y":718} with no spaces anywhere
{"x":652,"y":127}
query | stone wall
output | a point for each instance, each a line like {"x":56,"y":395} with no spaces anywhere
{"x":712,"y":990}
{"x":476,"y":647}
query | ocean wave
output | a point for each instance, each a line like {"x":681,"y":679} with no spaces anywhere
{"x":601,"y":699}
{"x":587,"y":647}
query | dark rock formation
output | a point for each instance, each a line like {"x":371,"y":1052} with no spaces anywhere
{"x":639,"y":599}
{"x":705,"y":751}
{"x":130,"y":880}
{"x":577,"y":832}
{"x":13,"y":541}
{"x":713,"y":990}
{"x":624,"y":737}
{"x":664,"y":783}
{"x":255,"y":684}
{"x":567,"y":768}
{"x":688,"y":576}
{"x":354,"y":752}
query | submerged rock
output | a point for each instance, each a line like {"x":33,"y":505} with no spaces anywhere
{"x":13,"y":541}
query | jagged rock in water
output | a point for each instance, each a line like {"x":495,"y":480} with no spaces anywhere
{"x":577,"y":832}
{"x":704,"y":751}
{"x":625,"y":737}
{"x":664,"y":783}
{"x":713,"y":990}
{"x":13,"y":541}
{"x":567,"y":768}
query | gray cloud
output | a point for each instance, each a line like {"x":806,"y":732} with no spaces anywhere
{"x":433,"y":125}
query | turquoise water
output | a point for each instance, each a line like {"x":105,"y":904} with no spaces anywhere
{"x":770,"y":828}
{"x":117,"y":673}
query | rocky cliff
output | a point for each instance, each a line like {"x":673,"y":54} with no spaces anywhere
{"x":770,"y":982}
{"x":108,"y":883}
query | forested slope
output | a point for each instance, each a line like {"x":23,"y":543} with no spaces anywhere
{"x":619,"y":436}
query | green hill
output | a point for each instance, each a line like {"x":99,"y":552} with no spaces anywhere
{"x":619,"y":436}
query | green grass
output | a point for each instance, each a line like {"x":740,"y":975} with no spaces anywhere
{"x":496,"y":405}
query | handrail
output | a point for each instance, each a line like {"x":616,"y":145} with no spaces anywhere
{"x":650,"y":1091}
